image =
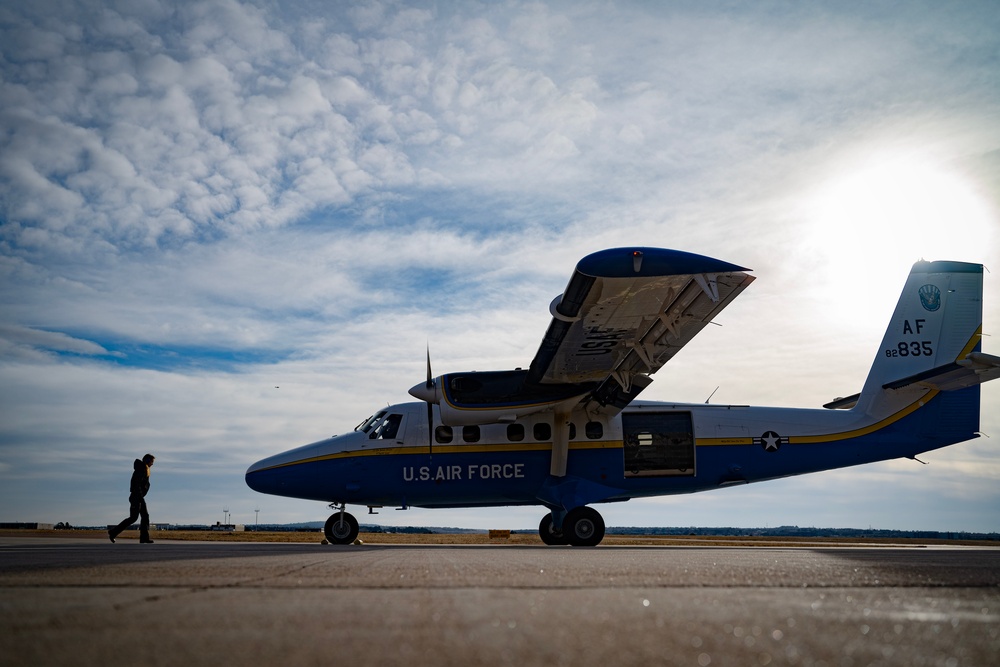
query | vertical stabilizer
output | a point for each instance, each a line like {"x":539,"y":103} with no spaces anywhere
{"x":936,"y":325}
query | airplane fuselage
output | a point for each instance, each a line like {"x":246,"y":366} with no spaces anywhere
{"x":649,"y":449}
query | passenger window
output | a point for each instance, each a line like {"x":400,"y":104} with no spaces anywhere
{"x":470,"y":433}
{"x":594,"y":430}
{"x":443,"y":434}
{"x":515,"y":432}
{"x":542,"y":431}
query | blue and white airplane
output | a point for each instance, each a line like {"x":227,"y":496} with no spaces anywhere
{"x":566,"y":432}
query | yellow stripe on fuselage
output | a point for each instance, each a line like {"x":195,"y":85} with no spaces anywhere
{"x":617,"y":444}
{"x":609,"y":444}
{"x":606,"y":444}
{"x":450,"y":449}
{"x":831,"y":437}
{"x":858,"y":432}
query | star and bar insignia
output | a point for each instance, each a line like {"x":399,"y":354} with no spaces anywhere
{"x":770,"y":441}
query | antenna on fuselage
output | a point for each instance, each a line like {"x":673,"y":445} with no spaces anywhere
{"x":711,"y":395}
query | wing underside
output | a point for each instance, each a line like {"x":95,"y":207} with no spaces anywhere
{"x":625,"y":313}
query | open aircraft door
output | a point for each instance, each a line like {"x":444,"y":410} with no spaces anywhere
{"x":658,"y":444}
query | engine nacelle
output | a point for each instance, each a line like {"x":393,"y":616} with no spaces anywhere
{"x":492,"y":397}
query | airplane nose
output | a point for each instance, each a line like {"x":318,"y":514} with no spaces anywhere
{"x":260,"y":479}
{"x":297,"y":473}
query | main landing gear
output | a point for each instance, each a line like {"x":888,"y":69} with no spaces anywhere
{"x":341,"y":528}
{"x":581,"y":527}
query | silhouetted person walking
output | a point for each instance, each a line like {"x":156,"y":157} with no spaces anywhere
{"x":137,"y":500}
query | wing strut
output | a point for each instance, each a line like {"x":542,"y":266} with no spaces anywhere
{"x":560,"y":444}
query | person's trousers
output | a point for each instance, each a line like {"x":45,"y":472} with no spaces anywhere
{"x":136,"y":510}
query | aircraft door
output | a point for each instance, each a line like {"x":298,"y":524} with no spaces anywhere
{"x":658,"y":444}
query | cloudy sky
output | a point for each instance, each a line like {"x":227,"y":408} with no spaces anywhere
{"x":229,"y":228}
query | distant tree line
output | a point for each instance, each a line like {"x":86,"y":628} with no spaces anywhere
{"x":693,"y":531}
{"x":796,"y":531}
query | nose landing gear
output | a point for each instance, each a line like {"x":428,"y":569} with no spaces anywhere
{"x":341,"y":528}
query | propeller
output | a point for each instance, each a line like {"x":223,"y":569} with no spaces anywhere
{"x":429,"y":386}
{"x":427,"y":392}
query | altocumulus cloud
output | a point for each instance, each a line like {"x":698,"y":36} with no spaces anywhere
{"x":231,"y":227}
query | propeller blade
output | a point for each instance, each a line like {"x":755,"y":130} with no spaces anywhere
{"x":430,"y":406}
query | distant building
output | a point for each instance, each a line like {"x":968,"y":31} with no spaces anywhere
{"x":228,"y":527}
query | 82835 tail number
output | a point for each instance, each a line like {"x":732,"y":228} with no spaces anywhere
{"x":911,"y":349}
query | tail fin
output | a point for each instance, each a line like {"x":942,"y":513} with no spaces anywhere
{"x":933,"y":339}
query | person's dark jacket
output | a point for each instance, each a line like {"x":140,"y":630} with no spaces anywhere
{"x":140,"y":480}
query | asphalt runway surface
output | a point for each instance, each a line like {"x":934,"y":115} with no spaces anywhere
{"x":89,"y":602}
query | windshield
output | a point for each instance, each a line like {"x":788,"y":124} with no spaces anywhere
{"x":370,"y":423}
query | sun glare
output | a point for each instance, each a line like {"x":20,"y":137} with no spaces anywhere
{"x":864,"y":229}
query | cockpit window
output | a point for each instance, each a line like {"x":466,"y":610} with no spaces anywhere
{"x":388,"y":428}
{"x":382,"y":426}
{"x":368,"y":424}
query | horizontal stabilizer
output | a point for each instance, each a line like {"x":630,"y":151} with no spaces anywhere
{"x":845,"y":403}
{"x":975,"y":368}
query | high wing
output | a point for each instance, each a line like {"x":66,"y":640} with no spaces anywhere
{"x":625,"y":313}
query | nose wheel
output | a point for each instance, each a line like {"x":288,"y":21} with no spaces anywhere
{"x":341,"y":528}
{"x":582,"y":527}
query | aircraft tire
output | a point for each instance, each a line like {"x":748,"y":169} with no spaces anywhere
{"x":341,"y":532}
{"x":583,"y":527}
{"x":549,"y":535}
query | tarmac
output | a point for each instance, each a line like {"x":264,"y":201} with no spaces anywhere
{"x":90,"y":602}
